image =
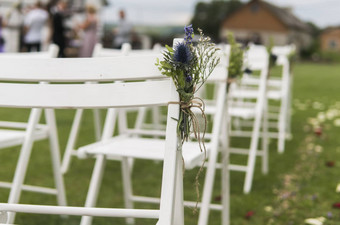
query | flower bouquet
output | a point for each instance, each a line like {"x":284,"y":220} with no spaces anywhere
{"x":189,"y":65}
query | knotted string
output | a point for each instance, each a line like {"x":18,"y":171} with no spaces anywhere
{"x":185,"y":108}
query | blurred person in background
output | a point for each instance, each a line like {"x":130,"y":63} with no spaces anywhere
{"x":57,"y":26}
{"x":34,"y":23}
{"x":124,"y":31}
{"x":14,"y":23}
{"x":2,"y":40}
{"x":89,"y":28}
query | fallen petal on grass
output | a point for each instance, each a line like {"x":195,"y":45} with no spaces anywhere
{"x":329,"y":215}
{"x":268,"y":209}
{"x":337,"y":122}
{"x":337,"y":190}
{"x":336,"y":205}
{"x":330,"y":163}
{"x":315,"y":221}
{"x":249,"y":215}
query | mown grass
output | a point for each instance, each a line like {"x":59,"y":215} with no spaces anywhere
{"x":299,"y":184}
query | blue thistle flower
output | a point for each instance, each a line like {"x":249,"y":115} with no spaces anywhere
{"x":182,"y":53}
{"x":189,"y":31}
{"x":188,"y":79}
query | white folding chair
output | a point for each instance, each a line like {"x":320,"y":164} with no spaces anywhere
{"x":250,"y":103}
{"x":279,"y":91}
{"x":70,"y":151}
{"x":192,"y":156}
{"x":99,"y":51}
{"x":24,"y":134}
{"x":100,"y":95}
{"x":282,"y":92}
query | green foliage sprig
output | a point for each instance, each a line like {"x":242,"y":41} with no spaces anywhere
{"x":235,"y":67}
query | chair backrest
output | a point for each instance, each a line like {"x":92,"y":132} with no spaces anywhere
{"x":52,"y":52}
{"x":282,"y":53}
{"x":80,"y":70}
{"x":16,"y":92}
{"x":74,"y":95}
{"x":257,"y":57}
{"x":100,"y":51}
{"x":126,"y":49}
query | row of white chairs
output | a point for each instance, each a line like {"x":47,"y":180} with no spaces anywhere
{"x":217,"y":140}
{"x":252,"y":101}
{"x":51,"y":65}
{"x":158,"y":90}
{"x":25,"y":134}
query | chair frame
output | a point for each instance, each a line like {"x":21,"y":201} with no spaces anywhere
{"x":94,"y":95}
{"x":219,"y":77}
{"x":34,"y":132}
{"x":260,"y":118}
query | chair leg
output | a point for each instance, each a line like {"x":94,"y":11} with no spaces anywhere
{"x":208,"y":188}
{"x":179,"y":210}
{"x":127,"y":186}
{"x":156,"y":120}
{"x":55,"y":155}
{"x":282,"y":128}
{"x":252,"y":156}
{"x":265,"y":140}
{"x":3,"y":217}
{"x":97,"y":123}
{"x":92,"y":194}
{"x":288,"y":110}
{"x":25,"y":152}
{"x":71,"y":141}
{"x":225,"y":188}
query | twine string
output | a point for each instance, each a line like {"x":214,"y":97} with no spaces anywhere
{"x":185,"y":108}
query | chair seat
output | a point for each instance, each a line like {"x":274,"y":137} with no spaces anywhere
{"x":274,"y":94}
{"x":142,"y":148}
{"x":253,"y":94}
{"x":272,"y":82}
{"x":242,"y":112}
{"x":244,"y":93}
{"x":9,"y":138}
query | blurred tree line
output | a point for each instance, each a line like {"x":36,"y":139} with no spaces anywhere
{"x":209,"y":15}
{"x":314,"y":47}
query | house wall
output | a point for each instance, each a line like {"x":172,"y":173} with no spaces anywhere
{"x":255,"y":19}
{"x":330,"y":40}
{"x":254,"y":16}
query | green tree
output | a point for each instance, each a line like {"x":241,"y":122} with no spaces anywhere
{"x":209,"y":16}
{"x":314,"y":47}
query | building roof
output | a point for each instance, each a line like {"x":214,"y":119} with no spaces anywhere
{"x":285,"y":16}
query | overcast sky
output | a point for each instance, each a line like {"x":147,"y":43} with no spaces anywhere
{"x":179,"y":12}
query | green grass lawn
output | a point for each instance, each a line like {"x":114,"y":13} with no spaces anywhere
{"x":299,"y":185}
